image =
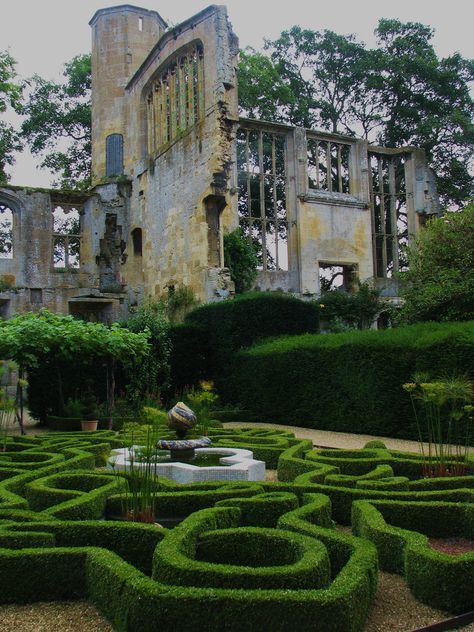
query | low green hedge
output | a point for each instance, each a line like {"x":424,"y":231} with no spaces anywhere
{"x":265,"y":554}
{"x":206,"y":551}
{"x":49,"y":574}
{"x":182,"y":500}
{"x":135,"y":602}
{"x":263,"y":510}
{"x":73,"y":424}
{"x":292,"y":463}
{"x":73,"y":496}
{"x":267,"y":444}
{"x":368,"y":473}
{"x":348,"y":382}
{"x":133,"y":542}
{"x":439,"y":580}
{"x":346,"y":480}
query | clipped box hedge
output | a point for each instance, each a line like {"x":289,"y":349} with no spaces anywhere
{"x":248,"y":556}
{"x":349,"y":382}
{"x":437,"y":579}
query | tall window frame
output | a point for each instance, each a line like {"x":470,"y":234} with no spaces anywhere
{"x":7,"y":215}
{"x":66,"y":236}
{"x":262,"y":194}
{"x":175,"y":99}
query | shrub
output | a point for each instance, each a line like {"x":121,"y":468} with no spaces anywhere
{"x":189,"y":356}
{"x":346,"y":382}
{"x":150,"y":376}
{"x":356,"y":310}
{"x":241,"y":258}
{"x":233,"y":324}
{"x":439,"y":284}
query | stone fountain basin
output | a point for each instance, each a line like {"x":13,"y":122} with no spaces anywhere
{"x":237,"y":465}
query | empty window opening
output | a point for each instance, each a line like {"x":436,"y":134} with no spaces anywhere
{"x":214,"y":204}
{"x":262,"y":195}
{"x":114,"y":155}
{"x":389,"y":214}
{"x":36,"y":296}
{"x":338,"y":276}
{"x":175,"y":101}
{"x":66,"y":236}
{"x":384,"y":320}
{"x":137,"y":241}
{"x":140,"y":24}
{"x":6,"y":232}
{"x":328,"y":165}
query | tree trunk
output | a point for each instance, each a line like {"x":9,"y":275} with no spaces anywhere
{"x":19,"y":401}
{"x":60,"y":389}
{"x":110,"y":391}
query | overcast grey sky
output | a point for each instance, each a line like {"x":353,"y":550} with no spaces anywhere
{"x":43,"y":34}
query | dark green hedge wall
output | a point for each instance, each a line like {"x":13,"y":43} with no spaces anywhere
{"x":348,"y":382}
{"x":205,"y":345}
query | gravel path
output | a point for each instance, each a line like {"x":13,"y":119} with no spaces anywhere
{"x":396,"y":610}
{"x":329,"y":439}
{"x":66,"y":616}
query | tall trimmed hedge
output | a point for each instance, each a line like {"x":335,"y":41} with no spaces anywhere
{"x":348,"y":382}
{"x":205,"y":345}
{"x":189,"y":355}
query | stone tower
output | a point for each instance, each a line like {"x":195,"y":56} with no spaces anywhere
{"x":122,"y":37}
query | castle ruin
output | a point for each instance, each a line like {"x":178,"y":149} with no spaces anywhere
{"x":175,"y":167}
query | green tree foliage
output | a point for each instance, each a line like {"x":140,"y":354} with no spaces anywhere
{"x":350,"y":310}
{"x":262,"y":87}
{"x":48,"y":340}
{"x":241,"y":258}
{"x":440,"y":282}
{"x":58,"y":112}
{"x":10,"y":97}
{"x":149,"y":378}
{"x":399,"y":93}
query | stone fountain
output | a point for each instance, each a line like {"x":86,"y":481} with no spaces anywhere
{"x":235,"y":464}
{"x":182,"y":419}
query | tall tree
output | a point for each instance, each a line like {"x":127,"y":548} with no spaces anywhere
{"x":58,"y":123}
{"x":427,"y":102}
{"x":399,"y":93}
{"x":10,"y":97}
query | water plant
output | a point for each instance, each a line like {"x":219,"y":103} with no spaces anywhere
{"x":138,"y":503}
{"x":444,"y":414}
{"x":7,"y":410}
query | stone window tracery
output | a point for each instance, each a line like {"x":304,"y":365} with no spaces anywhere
{"x":388,"y":202}
{"x":328,"y":165}
{"x":175,"y":101}
{"x":262,"y":195}
{"x":66,"y":236}
{"x":6,"y":231}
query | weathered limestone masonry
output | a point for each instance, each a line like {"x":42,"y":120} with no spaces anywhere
{"x":174,"y":168}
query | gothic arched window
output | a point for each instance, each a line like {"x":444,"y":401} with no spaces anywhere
{"x":6,"y":231}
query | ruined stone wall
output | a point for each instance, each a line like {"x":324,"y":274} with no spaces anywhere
{"x":29,"y":279}
{"x":352,"y":218}
{"x":167,"y":185}
{"x":333,"y":227}
{"x":176,"y":187}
